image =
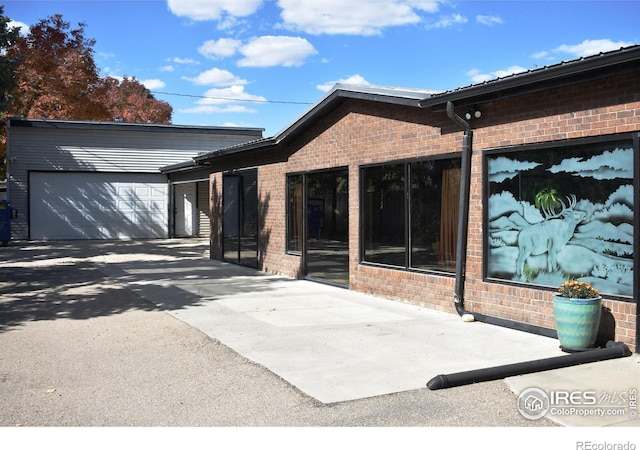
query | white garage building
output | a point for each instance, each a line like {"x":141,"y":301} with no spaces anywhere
{"x":102,"y":180}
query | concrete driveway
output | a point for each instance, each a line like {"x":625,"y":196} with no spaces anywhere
{"x":291,"y":342}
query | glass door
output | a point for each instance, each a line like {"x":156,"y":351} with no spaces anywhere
{"x":326,"y":251}
{"x":240,"y":218}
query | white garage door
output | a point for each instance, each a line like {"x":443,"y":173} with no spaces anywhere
{"x":97,"y":205}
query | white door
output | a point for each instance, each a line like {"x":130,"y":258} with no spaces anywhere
{"x":186,"y":222}
{"x":79,"y":205}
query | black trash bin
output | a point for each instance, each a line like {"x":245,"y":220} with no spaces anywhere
{"x":6,"y":214}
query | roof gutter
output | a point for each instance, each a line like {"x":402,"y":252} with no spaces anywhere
{"x":239,"y":148}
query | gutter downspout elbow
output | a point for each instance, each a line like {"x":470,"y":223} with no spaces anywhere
{"x":463,"y":212}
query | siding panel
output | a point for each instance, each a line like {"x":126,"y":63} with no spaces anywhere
{"x":204,"y":214}
{"x":109,"y":148}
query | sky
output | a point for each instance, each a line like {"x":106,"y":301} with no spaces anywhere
{"x":263,"y":63}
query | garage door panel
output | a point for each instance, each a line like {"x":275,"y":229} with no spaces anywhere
{"x":97,"y":206}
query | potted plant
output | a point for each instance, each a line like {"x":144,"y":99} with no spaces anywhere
{"x":576,"y":310}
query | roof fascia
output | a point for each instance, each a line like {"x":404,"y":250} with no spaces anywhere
{"x":592,"y":67}
{"x":247,"y":146}
{"x":179,"y":167}
{"x":22,"y":122}
{"x":340,"y":93}
{"x":336,"y":96}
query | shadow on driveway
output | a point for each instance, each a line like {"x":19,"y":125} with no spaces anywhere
{"x":55,"y":280}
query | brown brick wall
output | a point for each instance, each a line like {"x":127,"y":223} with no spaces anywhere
{"x":360,"y":132}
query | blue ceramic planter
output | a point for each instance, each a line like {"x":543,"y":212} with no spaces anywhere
{"x":577,"y":322}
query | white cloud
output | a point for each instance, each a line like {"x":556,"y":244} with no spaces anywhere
{"x":24,"y":28}
{"x":592,"y":47}
{"x":222,"y":48}
{"x":153,"y":84}
{"x":355,"y":17}
{"x":448,"y":21}
{"x":117,"y":77}
{"x":228,"y":23}
{"x":216,"y":77}
{"x":489,"y":20}
{"x":167,"y":68}
{"x":268,"y":51}
{"x":216,"y":109}
{"x":201,"y":10}
{"x":540,"y":55}
{"x":353,"y":79}
{"x":478,"y":77}
{"x":184,"y":61}
{"x":511,"y":70}
{"x":105,"y":55}
{"x":216,"y":96}
{"x":225,"y":100}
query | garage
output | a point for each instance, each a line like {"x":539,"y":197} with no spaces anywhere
{"x":90,"y":205}
{"x":104,"y":180}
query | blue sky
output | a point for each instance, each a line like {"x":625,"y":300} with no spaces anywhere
{"x":262,"y":63}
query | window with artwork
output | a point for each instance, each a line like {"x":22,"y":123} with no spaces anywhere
{"x":562,"y":212}
{"x":410,"y":214}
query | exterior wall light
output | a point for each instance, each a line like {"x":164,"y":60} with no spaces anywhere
{"x":473,"y":113}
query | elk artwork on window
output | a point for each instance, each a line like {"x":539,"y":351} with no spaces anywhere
{"x":585,"y":232}
{"x":550,"y":235}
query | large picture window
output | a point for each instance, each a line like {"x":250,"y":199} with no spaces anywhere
{"x":410,"y":214}
{"x":384,"y":239}
{"x":563,"y":212}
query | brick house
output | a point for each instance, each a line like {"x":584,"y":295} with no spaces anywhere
{"x":549,"y":159}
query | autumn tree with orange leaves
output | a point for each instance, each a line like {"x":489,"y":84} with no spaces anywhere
{"x":129,"y":100}
{"x":57,"y":78}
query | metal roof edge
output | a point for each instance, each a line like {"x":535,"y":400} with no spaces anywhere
{"x":339,"y":92}
{"x":245,"y":146}
{"x":179,"y":167}
{"x":535,"y":77}
{"x":148,"y":127}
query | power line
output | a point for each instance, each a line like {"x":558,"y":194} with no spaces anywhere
{"x":231,"y":99}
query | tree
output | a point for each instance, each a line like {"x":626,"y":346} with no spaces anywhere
{"x":58,"y":76}
{"x":8,"y":64}
{"x":131,"y":101}
{"x":59,"y":80}
{"x":50,"y":73}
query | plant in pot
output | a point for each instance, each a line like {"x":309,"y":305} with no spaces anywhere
{"x":576,"y":310}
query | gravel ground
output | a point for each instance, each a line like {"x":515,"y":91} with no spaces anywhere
{"x":78,"y":350}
